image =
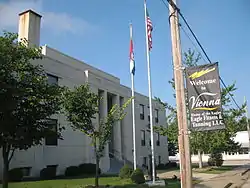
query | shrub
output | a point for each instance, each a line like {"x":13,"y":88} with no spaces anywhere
{"x":137,"y":176}
{"x":215,"y":159}
{"x":125,"y":172}
{"x":219,"y":162}
{"x":15,"y":174}
{"x":210,"y":162}
{"x":48,"y":173}
{"x":88,"y":168}
{"x":72,"y":171}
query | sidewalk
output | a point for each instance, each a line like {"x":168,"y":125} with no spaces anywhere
{"x":196,"y":176}
{"x":247,"y":184}
{"x":235,"y":177}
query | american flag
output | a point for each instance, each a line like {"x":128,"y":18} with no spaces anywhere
{"x":149,"y":31}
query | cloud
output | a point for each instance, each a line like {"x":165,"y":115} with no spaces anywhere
{"x":57,"y":22}
{"x":64,"y":22}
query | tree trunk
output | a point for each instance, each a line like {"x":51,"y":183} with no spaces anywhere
{"x":200,"y":159}
{"x":97,"y":164}
{"x":5,"y":154}
{"x":97,"y":172}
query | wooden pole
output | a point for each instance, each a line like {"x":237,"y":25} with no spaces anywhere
{"x":183,"y":138}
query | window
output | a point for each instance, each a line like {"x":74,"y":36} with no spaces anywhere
{"x":158,"y":139}
{"x":159,"y":159}
{"x":142,"y":138}
{"x":51,"y":139}
{"x":145,"y":161}
{"x":52,"y":80}
{"x":156,"y":116}
{"x":25,"y":171}
{"x":141,"y":111}
{"x":148,"y":113}
{"x":52,"y":168}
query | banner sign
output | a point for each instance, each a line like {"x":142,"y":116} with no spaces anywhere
{"x":204,"y":97}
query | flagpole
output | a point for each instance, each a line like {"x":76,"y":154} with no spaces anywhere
{"x":133,"y":105}
{"x":150,"y":96}
{"x":248,"y":128}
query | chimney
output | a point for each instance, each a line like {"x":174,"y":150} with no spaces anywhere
{"x":29,"y":27}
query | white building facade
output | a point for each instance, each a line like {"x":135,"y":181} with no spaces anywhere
{"x":75,"y":148}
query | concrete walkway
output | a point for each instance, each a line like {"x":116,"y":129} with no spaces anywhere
{"x":234,"y":176}
{"x":196,"y":176}
{"x":247,"y":184}
{"x":216,"y":180}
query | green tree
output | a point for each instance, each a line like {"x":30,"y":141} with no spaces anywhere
{"x":170,"y":129}
{"x":27,"y":100}
{"x":209,"y":141}
{"x":81,"y":106}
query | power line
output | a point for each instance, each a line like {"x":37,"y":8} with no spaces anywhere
{"x":198,"y":42}
{"x":185,"y":32}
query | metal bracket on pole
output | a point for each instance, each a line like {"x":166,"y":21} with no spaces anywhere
{"x":179,"y":68}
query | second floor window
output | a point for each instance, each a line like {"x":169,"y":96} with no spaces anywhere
{"x":52,"y":140}
{"x":52,"y":80}
{"x":141,"y":111}
{"x":148,"y":113}
{"x":158,"y":139}
{"x":143,"y":138}
{"x":156,"y":116}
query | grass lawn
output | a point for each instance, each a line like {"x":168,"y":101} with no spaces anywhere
{"x":81,"y":183}
{"x":214,"y":170}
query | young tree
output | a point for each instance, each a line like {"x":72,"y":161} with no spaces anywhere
{"x":27,"y":100}
{"x":81,"y":106}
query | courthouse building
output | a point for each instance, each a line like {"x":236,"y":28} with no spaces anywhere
{"x":75,"y":148}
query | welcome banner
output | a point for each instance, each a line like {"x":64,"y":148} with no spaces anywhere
{"x":204,"y":97}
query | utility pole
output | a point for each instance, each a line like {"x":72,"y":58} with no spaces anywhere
{"x":183,"y":137}
{"x":248,"y":128}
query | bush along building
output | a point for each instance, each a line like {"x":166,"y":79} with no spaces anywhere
{"x":75,"y":148}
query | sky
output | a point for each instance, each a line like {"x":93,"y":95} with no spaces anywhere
{"x":97,"y":32}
